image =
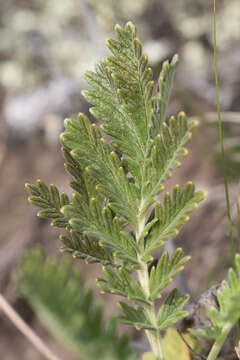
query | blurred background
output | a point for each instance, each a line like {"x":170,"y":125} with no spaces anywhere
{"x":45,"y":47}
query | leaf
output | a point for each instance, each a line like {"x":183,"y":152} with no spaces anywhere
{"x":174,"y":347}
{"x":83,"y":183}
{"x":167,"y":148}
{"x":172,"y":215}
{"x":135,"y":317}
{"x":165,"y":271}
{"x":122,"y":95}
{"x":229,"y":308}
{"x":122,"y":285}
{"x":90,"y":149}
{"x":81,"y":247}
{"x":164,"y":90}
{"x":99,"y":225}
{"x":50,"y":200}
{"x":172,"y":310}
{"x":206,"y":332}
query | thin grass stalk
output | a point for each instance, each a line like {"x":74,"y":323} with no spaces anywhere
{"x":238,"y":224}
{"x":238,"y":233}
{"x":221,"y":138}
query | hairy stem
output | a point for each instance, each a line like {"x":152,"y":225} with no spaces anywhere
{"x":219,"y":342}
{"x":153,"y":336}
{"x":143,"y":275}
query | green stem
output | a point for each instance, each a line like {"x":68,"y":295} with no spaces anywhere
{"x":153,"y":336}
{"x":219,"y":342}
{"x":238,"y":224}
{"x":220,"y":128}
{"x":143,"y":275}
{"x":230,"y":225}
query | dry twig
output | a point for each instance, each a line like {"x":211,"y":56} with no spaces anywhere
{"x":26,"y":330}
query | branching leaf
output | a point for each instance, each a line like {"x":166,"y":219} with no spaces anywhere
{"x":50,"y":200}
{"x":165,"y":271}
{"x":83,"y":182}
{"x":122,"y":285}
{"x":99,"y":225}
{"x":122,"y":96}
{"x":90,"y":149}
{"x":172,"y":310}
{"x":164,"y":90}
{"x":167,"y":148}
{"x":135,"y":317}
{"x":81,"y":247}
{"x":172,"y":215}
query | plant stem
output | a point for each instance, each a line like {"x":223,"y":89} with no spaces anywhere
{"x":143,"y":275}
{"x":219,"y":342}
{"x":26,"y":330}
{"x":220,"y":129}
{"x":238,"y":224}
{"x":153,"y":336}
{"x":230,"y":224}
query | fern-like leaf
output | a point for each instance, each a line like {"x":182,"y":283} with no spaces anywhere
{"x":172,"y":215}
{"x":82,"y":183}
{"x":122,"y":285}
{"x":167,"y":148}
{"x":165,"y":82}
{"x":99,"y":224}
{"x":122,"y":94}
{"x":81,"y":247}
{"x":50,"y":201}
{"x":165,"y":271}
{"x":96,"y":157}
{"x":172,"y":310}
{"x":135,"y":317}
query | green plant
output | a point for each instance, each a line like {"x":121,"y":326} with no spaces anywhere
{"x":174,"y":347}
{"x":115,"y":217}
{"x":71,"y":314}
{"x":221,"y":139}
{"x":75,"y":317}
{"x":224,"y":319}
{"x":228,"y":315}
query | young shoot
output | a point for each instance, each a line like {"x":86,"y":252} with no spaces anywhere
{"x":119,"y":166}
